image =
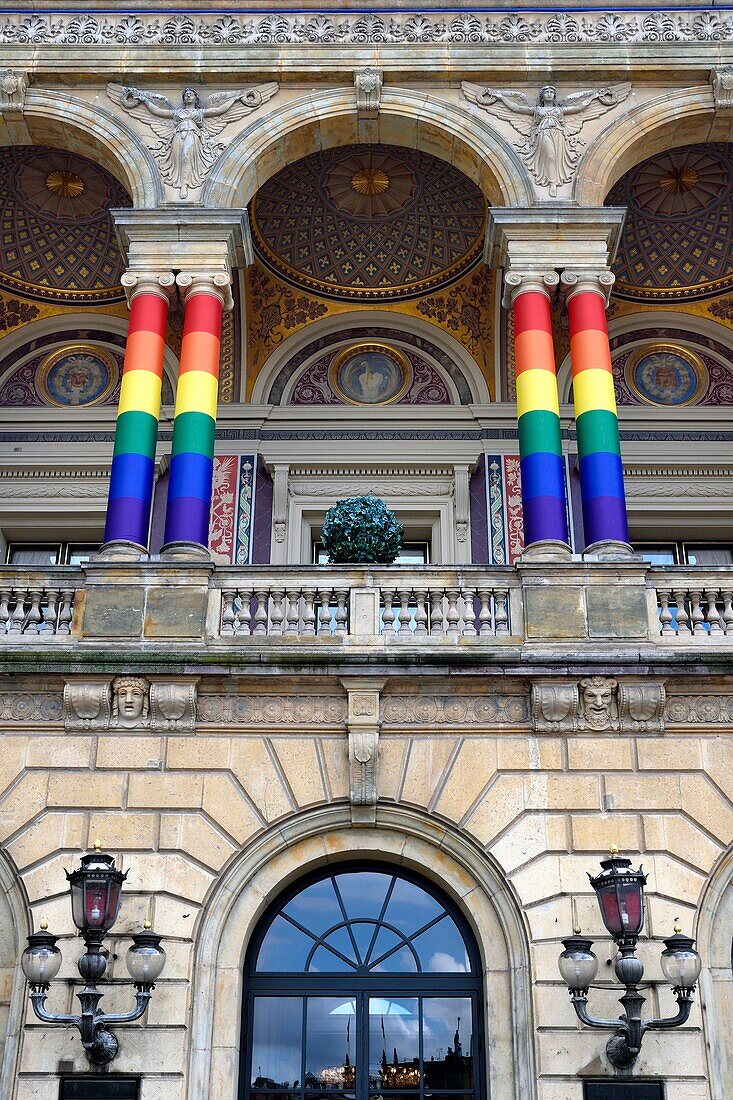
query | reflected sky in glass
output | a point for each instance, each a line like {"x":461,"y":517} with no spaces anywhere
{"x":277,"y":1041}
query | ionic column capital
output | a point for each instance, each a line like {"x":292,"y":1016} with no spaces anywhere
{"x":598,"y":282}
{"x":147,"y":281}
{"x":519,"y":281}
{"x":216,"y":283}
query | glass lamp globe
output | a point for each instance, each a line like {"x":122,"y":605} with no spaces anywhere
{"x":620,"y":893}
{"x":578,"y":965}
{"x":95,"y":892}
{"x":145,"y":958}
{"x":680,"y":961}
{"x":41,"y":960}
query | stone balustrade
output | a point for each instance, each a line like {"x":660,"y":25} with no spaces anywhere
{"x":694,"y":603}
{"x":38,"y":603}
{"x":218,"y":606}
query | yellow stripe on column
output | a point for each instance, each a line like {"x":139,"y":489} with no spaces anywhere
{"x":140,"y":392}
{"x":197,"y":392}
{"x":593,"y":389}
{"x":537,"y":389}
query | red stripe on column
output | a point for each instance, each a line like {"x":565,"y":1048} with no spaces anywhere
{"x":589,"y":311}
{"x":148,"y":312}
{"x":203,"y":314}
{"x":532,"y":311}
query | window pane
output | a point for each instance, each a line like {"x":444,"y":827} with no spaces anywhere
{"x":399,"y":962}
{"x":363,"y":893}
{"x":441,"y":949}
{"x":78,"y":555}
{"x":410,"y":908}
{"x":277,"y":1042}
{"x":284,"y":948}
{"x":657,"y":555}
{"x":316,"y":908}
{"x":447,"y":1043}
{"x":34,"y":555}
{"x":330,"y":1055}
{"x":709,"y":555}
{"x":394,"y":1044}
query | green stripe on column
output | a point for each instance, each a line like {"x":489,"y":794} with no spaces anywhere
{"x":539,"y":430}
{"x":597,"y":430}
{"x":195,"y":431}
{"x":136,"y":432}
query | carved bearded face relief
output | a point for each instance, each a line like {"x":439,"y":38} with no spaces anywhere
{"x":598,"y":701}
{"x":130,"y":701}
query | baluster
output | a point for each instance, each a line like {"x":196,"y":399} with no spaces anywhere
{"x":242,"y":619}
{"x":342,"y":595}
{"x":309,"y":614}
{"x":421,"y":615}
{"x":696,"y":613}
{"x":324,"y":615}
{"x":33,"y":617}
{"x":5,"y":595}
{"x":501,"y":611}
{"x":683,"y":619}
{"x":437,"y":622}
{"x":18,"y":616}
{"x":484,"y":615}
{"x":713,"y":615}
{"x":452,"y":615}
{"x":261,"y":611}
{"x":277,"y":614}
{"x":66,"y":611}
{"x":728,"y":610}
{"x":50,"y":611}
{"x":665,"y":615}
{"x":228,"y":611}
{"x":293,"y":623}
{"x":469,"y":613}
{"x":388,"y":615}
{"x":404,"y":613}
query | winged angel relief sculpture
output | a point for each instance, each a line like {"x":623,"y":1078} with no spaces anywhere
{"x":187,"y":145}
{"x":550,"y":126}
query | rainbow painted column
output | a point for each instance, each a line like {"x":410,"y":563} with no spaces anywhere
{"x":133,"y":463}
{"x":194,"y":424}
{"x":599,"y":450}
{"x":538,"y":411}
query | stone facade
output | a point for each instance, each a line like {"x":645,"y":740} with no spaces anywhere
{"x":494,"y":720}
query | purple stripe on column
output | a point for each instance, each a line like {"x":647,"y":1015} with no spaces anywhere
{"x":544,"y":518}
{"x":605,"y":518}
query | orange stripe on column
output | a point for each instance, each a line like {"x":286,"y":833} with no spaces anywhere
{"x":200,"y":351}
{"x":534,"y":350}
{"x":589,"y":349}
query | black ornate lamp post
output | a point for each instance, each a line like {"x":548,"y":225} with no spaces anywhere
{"x":620,"y":893}
{"x":95,"y":903}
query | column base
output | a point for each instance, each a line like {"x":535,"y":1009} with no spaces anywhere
{"x":121,"y":550}
{"x":610,"y":550}
{"x":185,"y":551}
{"x":547,"y":550}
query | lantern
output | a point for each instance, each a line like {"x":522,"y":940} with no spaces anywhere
{"x":146,"y":958}
{"x":578,"y":965}
{"x":41,"y":960}
{"x":680,"y":961}
{"x":620,"y":893}
{"x":95,"y":892}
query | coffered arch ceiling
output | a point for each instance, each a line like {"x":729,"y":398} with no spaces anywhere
{"x":369,"y":223}
{"x":677,"y":242}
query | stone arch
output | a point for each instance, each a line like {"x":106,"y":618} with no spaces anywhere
{"x":14,"y":927}
{"x":323,"y":120}
{"x":288,"y":352}
{"x":667,"y":122}
{"x":65,"y":122}
{"x":715,"y":943}
{"x":314,"y":839}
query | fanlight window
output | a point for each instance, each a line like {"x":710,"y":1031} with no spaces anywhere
{"x":362,"y":985}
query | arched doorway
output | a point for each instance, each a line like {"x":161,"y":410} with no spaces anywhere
{"x":362,"y":982}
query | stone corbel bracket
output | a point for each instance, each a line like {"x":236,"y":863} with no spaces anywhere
{"x":368,"y":87}
{"x":13,"y":88}
{"x":87,"y":704}
{"x":598,"y":704}
{"x":363,"y":723}
{"x":173,"y":706}
{"x":721,"y":81}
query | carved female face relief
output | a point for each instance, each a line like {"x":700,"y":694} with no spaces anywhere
{"x":130,"y":705}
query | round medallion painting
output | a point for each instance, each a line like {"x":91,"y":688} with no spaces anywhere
{"x":370,"y":374}
{"x":666,"y":374}
{"x":79,"y":374}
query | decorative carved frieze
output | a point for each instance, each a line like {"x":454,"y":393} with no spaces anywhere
{"x":368,"y":85}
{"x":721,"y":80}
{"x":36,"y":706}
{"x":187,"y":132}
{"x":272,"y":710}
{"x":465,"y":28}
{"x":455,"y":710}
{"x":129,"y":703}
{"x":696,"y":710}
{"x":599,"y":704}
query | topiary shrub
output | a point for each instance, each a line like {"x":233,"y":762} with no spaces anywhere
{"x":361,"y":530}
